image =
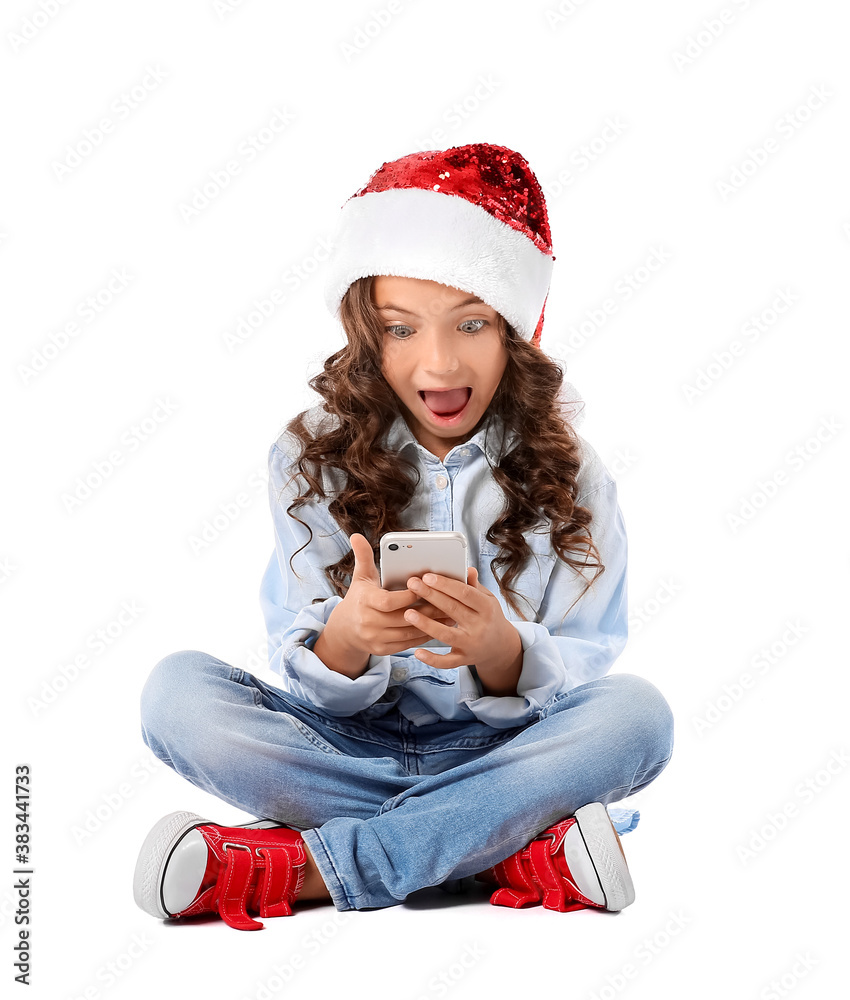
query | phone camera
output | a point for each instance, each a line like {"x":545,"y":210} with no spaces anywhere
{"x":392,"y":546}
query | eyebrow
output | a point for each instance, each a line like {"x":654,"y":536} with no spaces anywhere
{"x":473,"y":300}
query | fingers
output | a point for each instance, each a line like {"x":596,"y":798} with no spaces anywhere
{"x":394,"y":600}
{"x":434,"y":629}
{"x":398,"y":601}
{"x":405,"y":638}
{"x":427,"y":611}
{"x":364,"y":560}
{"x":423,"y":626}
{"x":441,"y":661}
{"x":448,"y":604}
{"x":460,"y":601}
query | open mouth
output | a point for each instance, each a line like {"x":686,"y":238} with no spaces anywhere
{"x":446,"y":404}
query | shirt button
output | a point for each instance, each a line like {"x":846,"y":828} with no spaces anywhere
{"x":465,"y":452}
{"x":442,"y":482}
{"x":399,"y":673}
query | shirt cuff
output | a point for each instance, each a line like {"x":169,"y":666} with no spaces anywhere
{"x":543,"y":676}
{"x":307,"y":677}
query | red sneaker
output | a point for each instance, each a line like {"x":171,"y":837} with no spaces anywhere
{"x":188,"y":865}
{"x":576,"y":863}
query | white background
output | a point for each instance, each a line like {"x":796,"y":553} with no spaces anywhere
{"x":739,"y":864}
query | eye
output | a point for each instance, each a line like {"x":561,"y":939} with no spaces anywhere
{"x":393,"y":330}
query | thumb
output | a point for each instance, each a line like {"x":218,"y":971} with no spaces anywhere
{"x":364,"y":560}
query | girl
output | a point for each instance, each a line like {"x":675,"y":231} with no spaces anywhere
{"x":382,"y":767}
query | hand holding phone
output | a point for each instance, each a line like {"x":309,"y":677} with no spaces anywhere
{"x":413,"y":553}
{"x":370,"y":619}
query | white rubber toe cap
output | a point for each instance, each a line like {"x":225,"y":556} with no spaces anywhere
{"x":184,"y":872}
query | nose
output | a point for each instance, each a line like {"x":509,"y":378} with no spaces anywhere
{"x":439,"y":354}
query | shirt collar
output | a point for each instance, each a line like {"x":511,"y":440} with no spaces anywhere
{"x":490,"y":439}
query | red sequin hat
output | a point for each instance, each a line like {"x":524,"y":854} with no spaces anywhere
{"x":472,"y":217}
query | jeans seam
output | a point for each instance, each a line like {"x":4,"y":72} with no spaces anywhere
{"x":361,"y":735}
{"x":311,"y":737}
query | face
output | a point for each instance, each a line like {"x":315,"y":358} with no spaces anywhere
{"x":439,"y":338}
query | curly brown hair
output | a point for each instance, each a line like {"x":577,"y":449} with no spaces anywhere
{"x":538,"y":476}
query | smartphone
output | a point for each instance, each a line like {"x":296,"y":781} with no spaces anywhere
{"x":413,"y":553}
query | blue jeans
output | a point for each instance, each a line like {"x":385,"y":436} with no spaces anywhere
{"x":387,"y":808}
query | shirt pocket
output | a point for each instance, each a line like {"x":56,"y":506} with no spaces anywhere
{"x":532,"y":580}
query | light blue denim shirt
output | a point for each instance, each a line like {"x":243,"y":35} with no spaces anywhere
{"x":457,"y":494}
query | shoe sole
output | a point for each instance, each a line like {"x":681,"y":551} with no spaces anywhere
{"x":600,"y":839}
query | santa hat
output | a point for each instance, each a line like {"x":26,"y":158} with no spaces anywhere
{"x":472,"y":217}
